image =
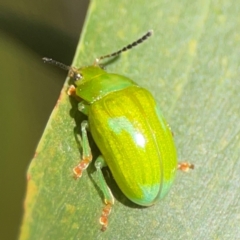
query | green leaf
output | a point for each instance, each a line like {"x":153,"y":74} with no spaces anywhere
{"x":191,"y":65}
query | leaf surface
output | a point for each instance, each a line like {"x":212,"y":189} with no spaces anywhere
{"x":191,"y":65}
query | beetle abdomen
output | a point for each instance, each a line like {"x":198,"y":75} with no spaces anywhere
{"x":136,"y":143}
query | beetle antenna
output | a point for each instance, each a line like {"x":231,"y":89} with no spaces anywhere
{"x":53,"y":62}
{"x":134,"y":44}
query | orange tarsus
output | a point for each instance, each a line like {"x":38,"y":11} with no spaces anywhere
{"x":185,"y":166}
{"x":71,"y":91}
{"x":104,"y":217}
{"x":81,"y":166}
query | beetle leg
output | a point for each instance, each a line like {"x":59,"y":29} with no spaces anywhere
{"x":108,"y":197}
{"x":71,"y":90}
{"x":86,"y":154}
{"x":83,"y":107}
{"x":185,"y":166}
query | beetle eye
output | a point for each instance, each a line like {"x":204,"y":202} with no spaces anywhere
{"x":73,"y":73}
{"x":77,"y":76}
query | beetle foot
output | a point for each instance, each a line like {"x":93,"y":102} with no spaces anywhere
{"x":104,"y":217}
{"x":185,"y":166}
{"x":71,"y":90}
{"x":81,"y":167}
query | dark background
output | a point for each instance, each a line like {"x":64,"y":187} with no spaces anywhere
{"x":29,"y":30}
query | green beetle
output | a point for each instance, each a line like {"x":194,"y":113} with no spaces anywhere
{"x":135,"y":141}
